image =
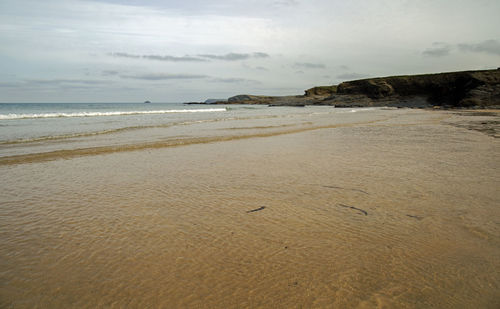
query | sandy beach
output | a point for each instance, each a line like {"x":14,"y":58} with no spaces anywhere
{"x":384,"y":209}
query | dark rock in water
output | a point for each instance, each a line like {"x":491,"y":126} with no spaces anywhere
{"x":147,"y":101}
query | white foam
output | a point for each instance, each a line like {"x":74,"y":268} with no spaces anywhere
{"x":97,"y":114}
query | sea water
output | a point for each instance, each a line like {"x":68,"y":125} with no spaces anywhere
{"x":49,"y":127}
{"x":25,"y":122}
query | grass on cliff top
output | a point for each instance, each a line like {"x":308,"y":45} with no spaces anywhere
{"x":332,"y":88}
{"x":323,"y":89}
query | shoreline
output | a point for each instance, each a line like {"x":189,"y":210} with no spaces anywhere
{"x":481,"y":120}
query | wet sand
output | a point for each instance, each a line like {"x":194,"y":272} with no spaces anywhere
{"x":395,"y":210}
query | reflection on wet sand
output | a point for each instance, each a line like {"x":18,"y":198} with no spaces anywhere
{"x":396,"y":211}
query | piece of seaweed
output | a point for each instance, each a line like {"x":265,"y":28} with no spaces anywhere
{"x":355,"y":208}
{"x":336,"y":187}
{"x":415,"y":217}
{"x":256,"y":209}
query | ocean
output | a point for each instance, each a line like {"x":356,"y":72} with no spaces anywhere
{"x":243,"y":206}
{"x":25,"y":127}
{"x":49,"y":128}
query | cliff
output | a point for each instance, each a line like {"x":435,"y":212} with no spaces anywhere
{"x":455,"y":89}
{"x":452,"y":90}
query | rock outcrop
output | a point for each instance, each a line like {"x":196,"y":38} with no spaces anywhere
{"x":455,"y":89}
{"x":452,"y":90}
{"x":250,"y":99}
{"x":211,"y":101}
{"x":321,"y":91}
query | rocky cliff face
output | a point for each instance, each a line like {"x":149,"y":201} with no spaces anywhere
{"x":321,"y":91}
{"x":455,"y":89}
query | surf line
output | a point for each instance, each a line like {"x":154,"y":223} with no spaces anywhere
{"x":115,"y":113}
{"x":79,"y":152}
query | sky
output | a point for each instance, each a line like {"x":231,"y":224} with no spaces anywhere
{"x":192,"y":50}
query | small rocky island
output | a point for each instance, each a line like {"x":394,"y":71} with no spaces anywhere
{"x":466,"y":89}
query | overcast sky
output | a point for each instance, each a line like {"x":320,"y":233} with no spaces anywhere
{"x":191,"y":50}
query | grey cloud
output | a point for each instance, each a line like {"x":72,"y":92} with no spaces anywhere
{"x":58,"y":82}
{"x":258,"y":68}
{"x":159,"y":57}
{"x":489,"y":46}
{"x":351,"y":76}
{"x":234,"y":56}
{"x":214,"y":7}
{"x":309,"y":65}
{"x":124,"y":55}
{"x":159,"y":76}
{"x":260,"y":55}
{"x":109,"y":73}
{"x":77,"y":87}
{"x":233,"y":80}
{"x":198,"y":58}
{"x":173,"y":58}
{"x":439,"y":50}
{"x":9,"y":85}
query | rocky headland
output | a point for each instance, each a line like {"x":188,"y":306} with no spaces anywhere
{"x":466,"y":89}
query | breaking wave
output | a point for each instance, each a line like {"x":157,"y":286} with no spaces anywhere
{"x":97,"y":114}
